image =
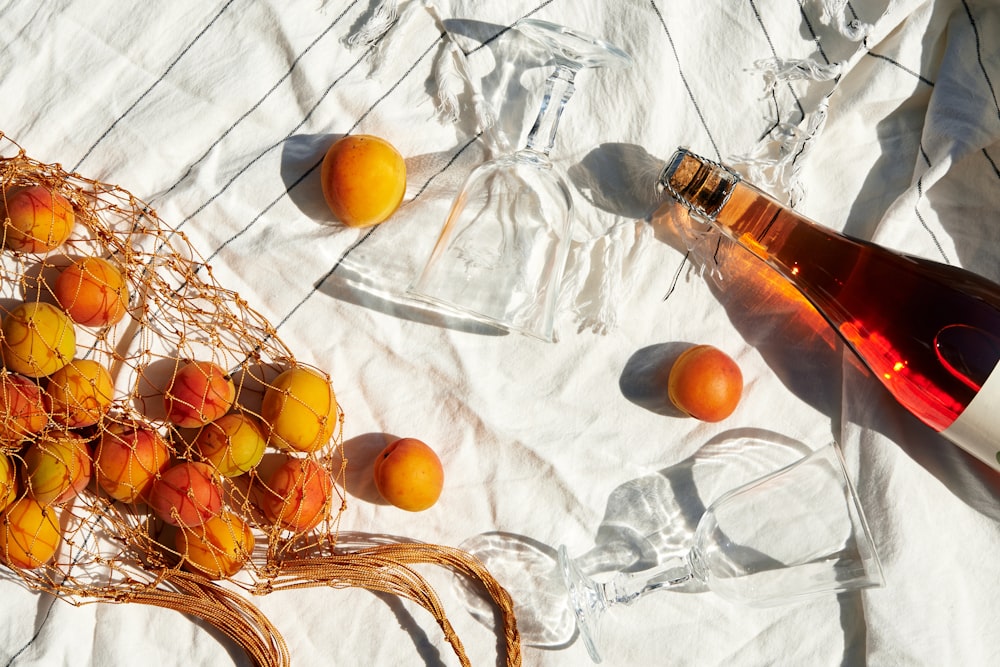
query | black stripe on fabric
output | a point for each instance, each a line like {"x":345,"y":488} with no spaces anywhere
{"x":992,"y":162}
{"x":917,"y":75}
{"x":979,"y":55}
{"x":256,"y":105}
{"x":774,"y":53}
{"x":916,"y":208}
{"x":163,"y":75}
{"x":687,"y":86}
{"x":508,"y":28}
{"x":812,"y":31}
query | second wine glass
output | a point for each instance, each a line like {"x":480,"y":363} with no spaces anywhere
{"x":500,"y":256}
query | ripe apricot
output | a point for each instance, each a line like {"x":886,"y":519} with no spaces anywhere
{"x":186,"y":494}
{"x":92,"y":291}
{"x":233,"y":443}
{"x":38,"y":339}
{"x":127,"y":458}
{"x":22,"y":408}
{"x":218,"y":548}
{"x":364,"y":179}
{"x":705,"y":383}
{"x":8,"y":482}
{"x":298,"y":495}
{"x":200,"y":392}
{"x":57,"y":467}
{"x":300,"y":410}
{"x":36,"y":219}
{"x":409,"y":475}
{"x":30,"y":534}
{"x":79,"y":393}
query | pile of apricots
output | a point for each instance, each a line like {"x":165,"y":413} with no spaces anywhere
{"x":60,"y":431}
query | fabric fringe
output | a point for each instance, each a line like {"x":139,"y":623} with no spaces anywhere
{"x":384,"y":16}
{"x":453,"y":78}
{"x":835,"y":12}
{"x":601,"y":273}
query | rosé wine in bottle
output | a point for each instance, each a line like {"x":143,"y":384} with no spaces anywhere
{"x":929,"y":332}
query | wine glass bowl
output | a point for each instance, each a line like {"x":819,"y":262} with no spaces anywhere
{"x":500,"y":256}
{"x":794,"y":534}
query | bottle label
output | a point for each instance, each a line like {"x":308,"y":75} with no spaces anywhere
{"x":977,"y":429}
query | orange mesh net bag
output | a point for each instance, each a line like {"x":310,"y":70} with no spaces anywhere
{"x":159,"y":444}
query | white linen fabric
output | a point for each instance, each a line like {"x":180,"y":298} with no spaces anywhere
{"x":877,"y":118}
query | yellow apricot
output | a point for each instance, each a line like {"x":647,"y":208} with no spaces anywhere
{"x":38,"y":339}
{"x":364,"y":179}
{"x":8,"y":482}
{"x":233,"y":443}
{"x":30,"y":534}
{"x":300,"y":409}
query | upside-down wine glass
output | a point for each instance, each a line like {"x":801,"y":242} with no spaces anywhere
{"x":796,"y":533}
{"x":500,"y":255}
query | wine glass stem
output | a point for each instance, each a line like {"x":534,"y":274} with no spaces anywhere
{"x":627,"y":586}
{"x":558,"y":89}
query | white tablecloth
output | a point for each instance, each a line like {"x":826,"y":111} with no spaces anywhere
{"x":877,"y":118}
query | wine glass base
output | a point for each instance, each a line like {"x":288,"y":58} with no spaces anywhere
{"x":585,"y":600}
{"x":573,"y":46}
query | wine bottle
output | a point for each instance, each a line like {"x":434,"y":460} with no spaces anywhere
{"x":928,"y":331}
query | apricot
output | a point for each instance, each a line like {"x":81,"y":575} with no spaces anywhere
{"x":36,"y":219}
{"x":30,"y":534}
{"x":409,"y":475}
{"x":705,"y":383}
{"x":22,"y":409}
{"x":300,"y":410}
{"x":200,"y":392}
{"x":79,"y":394}
{"x":57,"y":467}
{"x":218,"y":548}
{"x":186,"y":494}
{"x":8,"y":482}
{"x":92,"y":291}
{"x":363,"y":179}
{"x":298,"y":495}
{"x":38,"y":339}
{"x":233,"y":443}
{"x":127,"y":459}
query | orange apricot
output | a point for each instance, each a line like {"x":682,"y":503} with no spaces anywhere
{"x":200,"y":392}
{"x":22,"y":408}
{"x":705,"y":383}
{"x":409,"y":475}
{"x":30,"y":534}
{"x":363,"y":179}
{"x":298,"y":495}
{"x":92,"y":291}
{"x":38,"y":339}
{"x":300,"y":409}
{"x":233,"y":443}
{"x":186,"y":494}
{"x":79,"y":394}
{"x":57,"y":467}
{"x":127,"y":459}
{"x":218,"y":548}
{"x":36,"y":219}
